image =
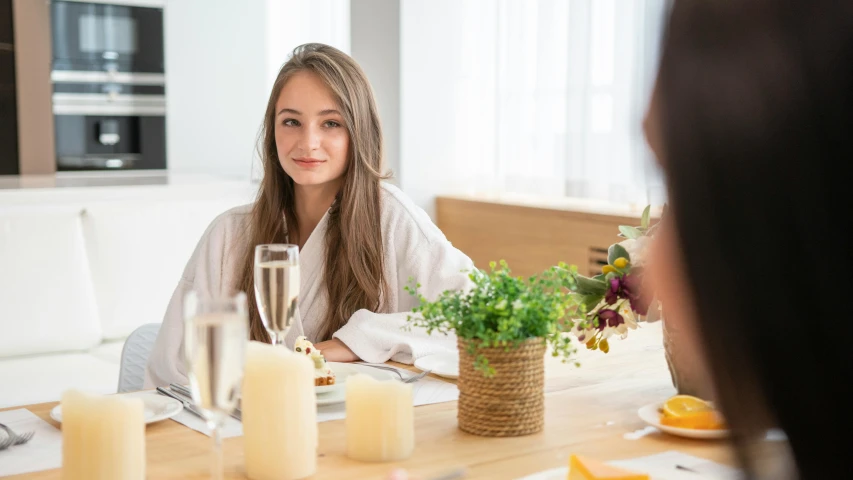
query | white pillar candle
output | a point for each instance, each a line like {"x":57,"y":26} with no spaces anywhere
{"x":103,"y":437}
{"x":279,"y":409}
{"x":380,"y":419}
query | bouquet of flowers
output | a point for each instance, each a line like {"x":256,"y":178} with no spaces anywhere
{"x":613,"y":302}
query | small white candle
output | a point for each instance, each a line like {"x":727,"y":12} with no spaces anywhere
{"x":380,"y":420}
{"x":103,"y":437}
{"x":279,"y":414}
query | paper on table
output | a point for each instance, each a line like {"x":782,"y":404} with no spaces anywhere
{"x":42,"y":452}
{"x":662,"y":466}
{"x":426,"y":391}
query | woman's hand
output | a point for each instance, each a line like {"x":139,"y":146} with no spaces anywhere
{"x":335,"y":350}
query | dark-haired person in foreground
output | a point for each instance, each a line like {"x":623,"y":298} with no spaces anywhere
{"x":752,"y":122}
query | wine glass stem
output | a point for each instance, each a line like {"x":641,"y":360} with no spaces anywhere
{"x":278,"y":339}
{"x":217,"y":466}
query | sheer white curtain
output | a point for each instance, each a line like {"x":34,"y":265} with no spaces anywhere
{"x":574,"y":78}
{"x":541,"y":97}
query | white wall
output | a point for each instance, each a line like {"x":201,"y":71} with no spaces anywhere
{"x":222,"y":57}
{"x":216,"y":84}
{"x":291,"y":23}
{"x":447,"y":112}
{"x":375,"y":30}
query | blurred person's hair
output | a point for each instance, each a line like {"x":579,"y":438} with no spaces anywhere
{"x":754,"y":103}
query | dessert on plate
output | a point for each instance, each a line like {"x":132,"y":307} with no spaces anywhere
{"x":323,"y":374}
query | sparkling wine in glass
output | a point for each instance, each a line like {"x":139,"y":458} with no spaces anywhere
{"x":215,"y":336}
{"x":277,"y":287}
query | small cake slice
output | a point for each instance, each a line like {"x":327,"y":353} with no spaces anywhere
{"x":581,"y":468}
{"x":323,"y":374}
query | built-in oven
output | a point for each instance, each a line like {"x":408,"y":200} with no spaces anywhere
{"x":98,"y":37}
{"x":109,"y":85}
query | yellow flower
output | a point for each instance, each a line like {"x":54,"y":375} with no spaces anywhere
{"x":591,"y":344}
{"x":608,"y":269}
{"x":621,"y":262}
{"x":604,"y":346}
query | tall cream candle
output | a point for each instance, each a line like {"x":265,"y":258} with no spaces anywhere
{"x":380,"y":420}
{"x":279,"y":414}
{"x":103,"y":437}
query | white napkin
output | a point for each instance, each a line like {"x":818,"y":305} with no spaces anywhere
{"x":232,"y":427}
{"x":663,"y":466}
{"x":42,"y":452}
{"x":425,"y":391}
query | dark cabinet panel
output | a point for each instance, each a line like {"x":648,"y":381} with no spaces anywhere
{"x":7,"y":68}
{"x":8,"y":131}
{"x":6,"y":36}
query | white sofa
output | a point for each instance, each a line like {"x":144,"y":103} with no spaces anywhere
{"x":80,"y":270}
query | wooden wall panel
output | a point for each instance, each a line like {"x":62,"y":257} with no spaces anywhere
{"x":33,"y":60}
{"x":530,"y":239}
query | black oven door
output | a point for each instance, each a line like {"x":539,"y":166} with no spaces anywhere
{"x":100,"y":37}
{"x":110,"y":142}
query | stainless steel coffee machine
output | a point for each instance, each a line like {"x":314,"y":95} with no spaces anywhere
{"x":109,"y":85}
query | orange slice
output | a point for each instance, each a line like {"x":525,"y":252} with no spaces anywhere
{"x":685,"y":411}
{"x":681,"y":405}
{"x":697,"y":421}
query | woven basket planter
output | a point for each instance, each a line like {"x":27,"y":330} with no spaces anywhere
{"x":510,"y":403}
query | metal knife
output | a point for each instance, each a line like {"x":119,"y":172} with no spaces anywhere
{"x":184,"y":392}
{"x":188,"y":406}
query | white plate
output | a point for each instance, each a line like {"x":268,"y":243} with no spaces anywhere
{"x":157,"y":407}
{"x":553,"y":474}
{"x":332,"y":398}
{"x":332,"y":394}
{"x":651,"y":415}
{"x":442,"y":364}
{"x":561,"y":474}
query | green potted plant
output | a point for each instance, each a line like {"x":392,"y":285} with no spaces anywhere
{"x":503,"y":326}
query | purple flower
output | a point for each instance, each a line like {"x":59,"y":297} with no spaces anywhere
{"x":632,"y":290}
{"x":612,"y":293}
{"x":609,"y":318}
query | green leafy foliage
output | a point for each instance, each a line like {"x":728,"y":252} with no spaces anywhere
{"x":502,"y":310}
{"x":630,"y":232}
{"x":616,"y":251}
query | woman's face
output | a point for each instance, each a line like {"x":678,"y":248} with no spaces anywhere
{"x":311,"y":138}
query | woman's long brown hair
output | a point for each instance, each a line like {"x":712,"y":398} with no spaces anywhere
{"x":354,"y":257}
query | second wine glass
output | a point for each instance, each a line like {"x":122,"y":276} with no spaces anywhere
{"x":277,"y":287}
{"x":215,"y":337}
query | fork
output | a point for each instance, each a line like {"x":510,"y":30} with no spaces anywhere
{"x":15,"y":438}
{"x":415,"y":378}
{"x":6,"y":443}
{"x":410,"y":379}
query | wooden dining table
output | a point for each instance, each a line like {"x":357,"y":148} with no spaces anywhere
{"x":589,"y":411}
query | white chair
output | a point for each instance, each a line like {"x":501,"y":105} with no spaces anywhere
{"x":134,"y":357}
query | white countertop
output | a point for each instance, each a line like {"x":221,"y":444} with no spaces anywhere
{"x":111,"y":179}
{"x":74,"y":187}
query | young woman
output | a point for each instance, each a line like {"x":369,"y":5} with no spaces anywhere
{"x":360,"y":240}
{"x":751,"y":122}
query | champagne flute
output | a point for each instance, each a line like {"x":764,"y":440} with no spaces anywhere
{"x":277,"y":287}
{"x":215,"y":336}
